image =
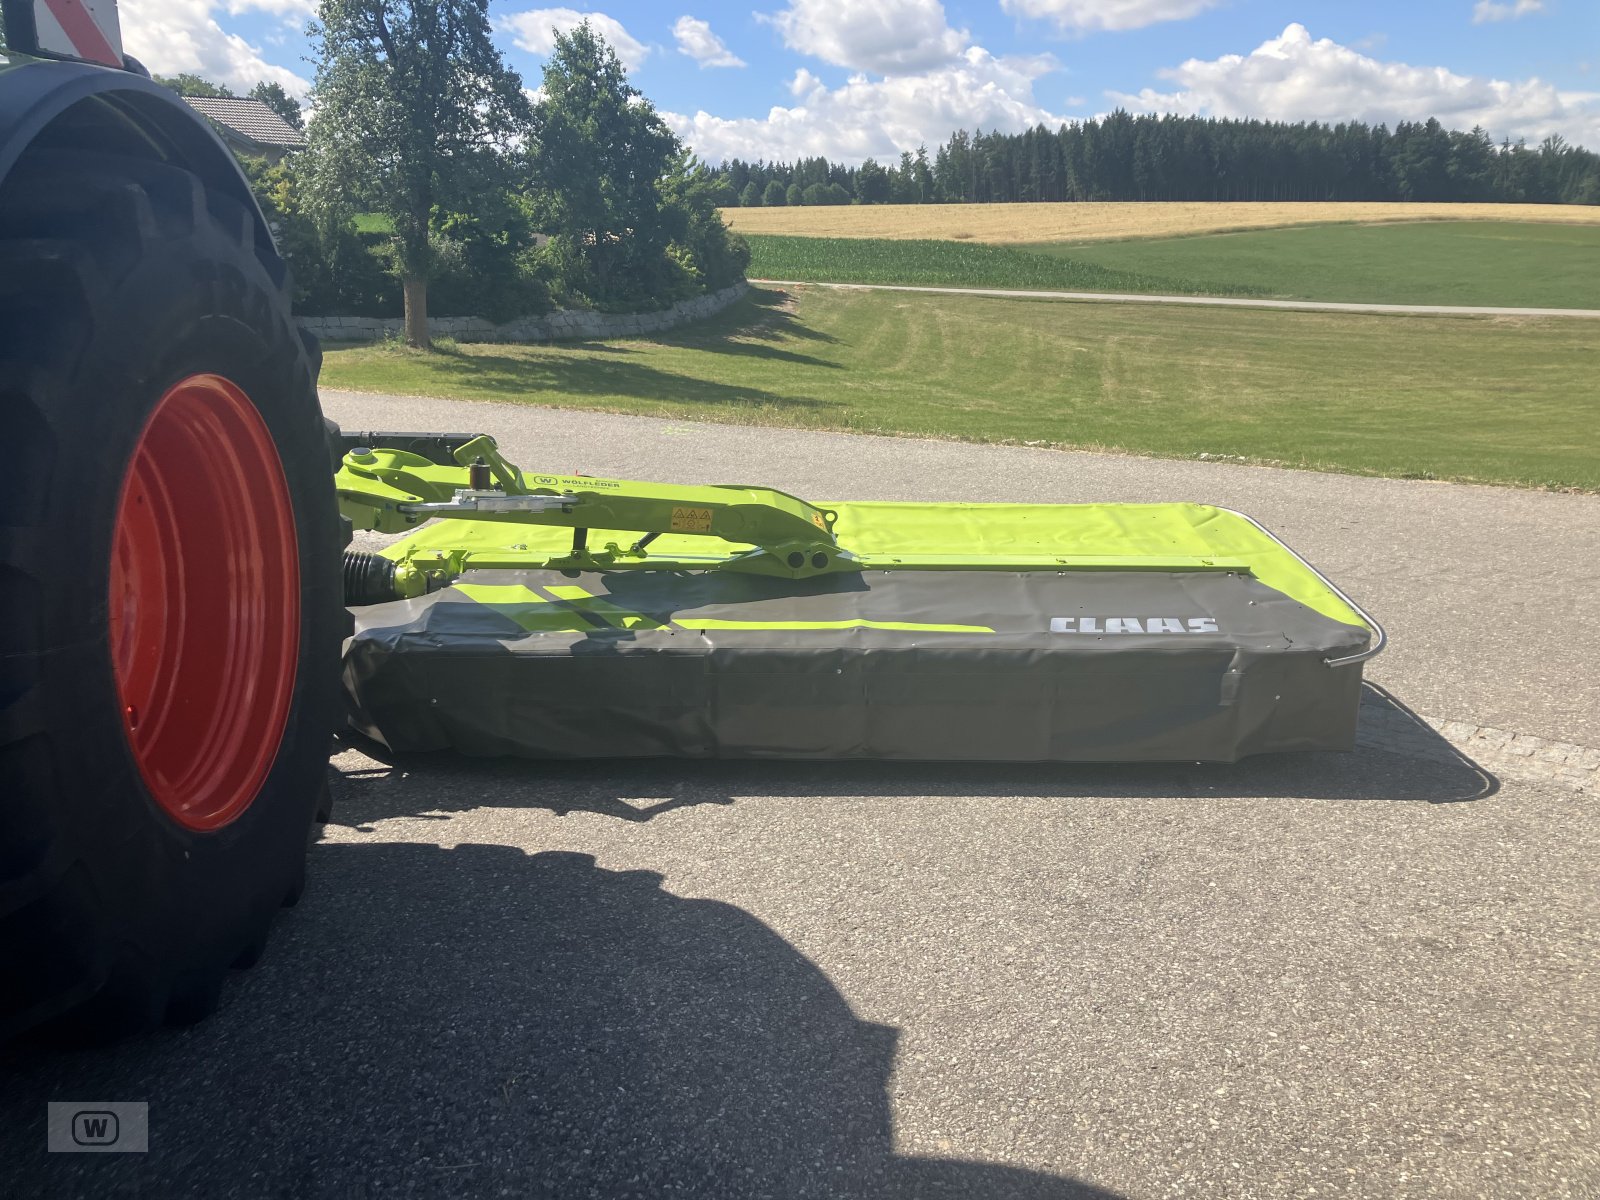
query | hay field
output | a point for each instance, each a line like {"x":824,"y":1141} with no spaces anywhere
{"x":1096,"y":222}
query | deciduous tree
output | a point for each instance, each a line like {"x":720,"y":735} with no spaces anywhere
{"x":598,"y":155}
{"x":414,"y":109}
{"x":280,"y":102}
{"x":193,"y":85}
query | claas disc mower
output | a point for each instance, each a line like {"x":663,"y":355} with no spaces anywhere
{"x":547,"y":615}
{"x":174,"y":624}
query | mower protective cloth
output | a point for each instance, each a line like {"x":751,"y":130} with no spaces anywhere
{"x":1076,"y":665}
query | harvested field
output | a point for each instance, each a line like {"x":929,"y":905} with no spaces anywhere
{"x":1014,"y":223}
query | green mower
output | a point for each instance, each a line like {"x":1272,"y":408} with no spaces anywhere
{"x":569,"y":616}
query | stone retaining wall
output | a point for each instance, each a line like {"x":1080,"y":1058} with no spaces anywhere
{"x":561,"y":325}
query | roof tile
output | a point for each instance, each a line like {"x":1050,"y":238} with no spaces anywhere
{"x":249,"y":119}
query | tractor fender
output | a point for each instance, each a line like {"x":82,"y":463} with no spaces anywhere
{"x":121,"y":113}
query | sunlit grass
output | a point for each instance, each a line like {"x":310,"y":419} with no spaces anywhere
{"x":1495,"y":263}
{"x":954,"y":264}
{"x":1497,"y":400}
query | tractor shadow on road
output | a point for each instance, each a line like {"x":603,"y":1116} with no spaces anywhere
{"x":481,"y":1021}
{"x":1398,"y":756}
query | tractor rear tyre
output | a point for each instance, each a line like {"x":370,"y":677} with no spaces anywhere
{"x":169,"y":593}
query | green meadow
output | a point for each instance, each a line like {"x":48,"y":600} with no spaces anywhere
{"x":1493,"y":263}
{"x":937,"y":263}
{"x":1491,"y":399}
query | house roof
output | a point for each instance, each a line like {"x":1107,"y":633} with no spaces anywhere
{"x":250,"y":119}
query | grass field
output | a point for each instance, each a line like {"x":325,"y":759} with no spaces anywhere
{"x":1006,"y":224}
{"x":1490,"y":399}
{"x":959,"y":264}
{"x":1455,"y":262}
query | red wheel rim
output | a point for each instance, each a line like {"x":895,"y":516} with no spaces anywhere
{"x":205,"y":602}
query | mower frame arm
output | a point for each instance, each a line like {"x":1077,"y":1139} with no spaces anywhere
{"x":392,"y":490}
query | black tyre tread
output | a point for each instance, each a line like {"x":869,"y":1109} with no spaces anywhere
{"x":74,"y":227}
{"x":57,"y":190}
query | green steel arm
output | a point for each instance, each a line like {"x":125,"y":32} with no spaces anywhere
{"x":393,"y":490}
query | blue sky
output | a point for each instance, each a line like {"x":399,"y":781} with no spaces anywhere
{"x":853,"y":78}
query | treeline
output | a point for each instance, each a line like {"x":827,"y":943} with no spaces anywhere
{"x":1126,"y":157}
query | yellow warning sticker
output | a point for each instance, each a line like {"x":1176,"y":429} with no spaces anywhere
{"x":816,"y":519}
{"x":691,"y":520}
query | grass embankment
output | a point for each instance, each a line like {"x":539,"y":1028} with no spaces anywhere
{"x":956,"y":264}
{"x":1495,"y":400}
{"x":1004,"y":224}
{"x":1459,"y":262}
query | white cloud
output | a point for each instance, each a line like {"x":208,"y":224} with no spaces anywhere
{"x":878,"y":118}
{"x":173,"y":37}
{"x":533,"y":31}
{"x":1488,"y":10}
{"x":1086,"y":16}
{"x":697,"y":41}
{"x":276,"y":8}
{"x":1293,"y":78}
{"x":887,"y":37}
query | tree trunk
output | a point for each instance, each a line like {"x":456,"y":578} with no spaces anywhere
{"x":416,"y":295}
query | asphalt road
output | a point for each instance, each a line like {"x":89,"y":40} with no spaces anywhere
{"x":1441,"y":310}
{"x":1357,"y":975}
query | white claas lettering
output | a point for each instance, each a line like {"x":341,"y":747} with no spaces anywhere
{"x":1133,"y":625}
